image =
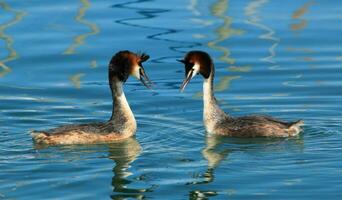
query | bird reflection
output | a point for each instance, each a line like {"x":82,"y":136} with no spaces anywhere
{"x":214,"y":156}
{"x":218,"y":148}
{"x":201,"y":195}
{"x":212,"y":153}
{"x":123,"y":154}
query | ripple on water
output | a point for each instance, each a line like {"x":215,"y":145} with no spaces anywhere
{"x":266,"y":63}
{"x":157,"y":137}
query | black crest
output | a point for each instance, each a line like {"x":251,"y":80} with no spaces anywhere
{"x":187,"y":64}
{"x":200,"y":57}
{"x":120,"y":65}
{"x":144,"y":57}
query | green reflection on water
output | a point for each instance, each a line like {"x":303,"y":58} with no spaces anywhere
{"x":76,"y":80}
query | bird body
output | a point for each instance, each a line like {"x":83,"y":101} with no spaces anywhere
{"x":216,"y":121}
{"x":122,"y":123}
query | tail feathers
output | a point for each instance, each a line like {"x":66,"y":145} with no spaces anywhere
{"x":298,"y":123}
{"x":39,"y":137}
{"x":295,"y":127}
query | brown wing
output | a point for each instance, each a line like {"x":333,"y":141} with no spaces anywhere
{"x":248,"y":121}
{"x":93,"y":127}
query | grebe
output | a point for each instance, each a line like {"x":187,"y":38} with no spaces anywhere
{"x":220,"y":123}
{"x":122,"y":123}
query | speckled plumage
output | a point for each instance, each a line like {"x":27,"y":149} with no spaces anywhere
{"x":122,"y":123}
{"x":216,"y":121}
{"x":257,"y":126}
{"x":80,"y":134}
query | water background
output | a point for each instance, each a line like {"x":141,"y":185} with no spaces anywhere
{"x":280,"y":58}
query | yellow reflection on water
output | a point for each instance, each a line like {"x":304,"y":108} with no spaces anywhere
{"x":199,"y":36}
{"x":239,"y":69}
{"x":302,"y":10}
{"x":93,"y":64}
{"x":298,"y":15}
{"x":12,"y":54}
{"x":94,"y":29}
{"x":252,"y":10}
{"x":76,"y":80}
{"x":300,"y":25}
{"x":308,"y":59}
{"x":193,"y":7}
{"x":224,"y":83}
{"x":305,"y":50}
{"x":223,"y":32}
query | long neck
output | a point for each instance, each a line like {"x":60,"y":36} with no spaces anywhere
{"x":212,"y":113}
{"x":122,"y":116}
{"x":208,"y":90}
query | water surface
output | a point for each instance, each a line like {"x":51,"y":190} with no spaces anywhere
{"x":276,"y":58}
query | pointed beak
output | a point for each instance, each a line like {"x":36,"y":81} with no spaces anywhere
{"x":187,"y":79}
{"x":144,"y":78}
{"x":191,"y":74}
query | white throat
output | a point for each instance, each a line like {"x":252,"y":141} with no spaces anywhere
{"x":136,"y":72}
{"x":208,"y":95}
{"x":122,"y":115}
{"x":121,"y":98}
{"x":196,"y":69}
{"x":212,"y":113}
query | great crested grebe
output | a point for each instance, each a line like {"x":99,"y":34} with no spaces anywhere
{"x":122,"y":123}
{"x":220,"y":123}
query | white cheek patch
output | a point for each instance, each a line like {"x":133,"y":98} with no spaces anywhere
{"x":136,"y":72}
{"x":196,"y":69}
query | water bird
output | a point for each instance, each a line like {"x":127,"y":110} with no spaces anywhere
{"x":122,"y":123}
{"x":216,"y":121}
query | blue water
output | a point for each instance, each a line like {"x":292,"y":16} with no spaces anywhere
{"x":272,"y":57}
